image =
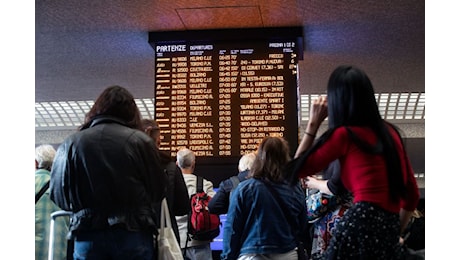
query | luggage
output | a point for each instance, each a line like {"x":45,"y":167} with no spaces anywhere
{"x":54,"y":216}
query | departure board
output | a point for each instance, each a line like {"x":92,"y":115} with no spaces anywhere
{"x":219,"y":93}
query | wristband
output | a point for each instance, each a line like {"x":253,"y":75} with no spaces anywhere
{"x":312,"y":135}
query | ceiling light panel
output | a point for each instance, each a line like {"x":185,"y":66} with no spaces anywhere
{"x":71,"y":114}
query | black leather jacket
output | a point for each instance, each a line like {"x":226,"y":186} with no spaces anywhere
{"x":109,"y":175}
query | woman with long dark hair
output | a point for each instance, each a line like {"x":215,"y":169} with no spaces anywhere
{"x":374,"y":167}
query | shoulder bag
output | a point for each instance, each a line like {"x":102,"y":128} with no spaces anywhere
{"x":168,"y":248}
{"x":319,"y":204}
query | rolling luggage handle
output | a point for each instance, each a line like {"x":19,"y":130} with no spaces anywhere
{"x":54,"y":215}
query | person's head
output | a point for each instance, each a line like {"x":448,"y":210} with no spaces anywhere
{"x":351,"y":98}
{"x":152,"y":129}
{"x":44,"y":156}
{"x":271,"y":158}
{"x":118,"y":102}
{"x":186,"y":159}
{"x":246,"y":162}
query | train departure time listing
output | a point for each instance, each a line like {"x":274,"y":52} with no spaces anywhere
{"x":222,"y":99}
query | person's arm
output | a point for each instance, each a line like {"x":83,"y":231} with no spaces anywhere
{"x":404,"y":218}
{"x":318,"y":112}
{"x":208,"y":187}
{"x":147,"y":155}
{"x":315,"y":183}
{"x":59,"y":181}
{"x":219,"y":203}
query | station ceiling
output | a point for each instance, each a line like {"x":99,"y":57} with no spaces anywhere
{"x":81,"y":47}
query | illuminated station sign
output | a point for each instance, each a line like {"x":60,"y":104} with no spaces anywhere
{"x":219,"y":93}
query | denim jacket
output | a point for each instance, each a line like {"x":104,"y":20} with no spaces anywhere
{"x":256,"y":224}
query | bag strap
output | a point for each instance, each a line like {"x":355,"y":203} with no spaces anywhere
{"x":165,"y":217}
{"x":235,"y":181}
{"x":199,"y":184}
{"x":42,"y":191}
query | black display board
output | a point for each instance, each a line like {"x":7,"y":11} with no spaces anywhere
{"x":220,"y":92}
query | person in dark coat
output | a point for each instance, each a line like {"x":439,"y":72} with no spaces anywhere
{"x":177,"y":194}
{"x":109,"y":175}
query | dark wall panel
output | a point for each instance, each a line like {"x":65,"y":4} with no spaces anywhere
{"x":415,"y":148}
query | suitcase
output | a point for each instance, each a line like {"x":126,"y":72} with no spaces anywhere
{"x":54,"y":216}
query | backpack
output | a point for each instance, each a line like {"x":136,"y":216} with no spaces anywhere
{"x":202,"y":225}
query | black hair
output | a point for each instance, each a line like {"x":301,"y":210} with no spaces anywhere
{"x":351,"y":102}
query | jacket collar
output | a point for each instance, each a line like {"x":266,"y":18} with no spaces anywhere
{"x":106,"y":119}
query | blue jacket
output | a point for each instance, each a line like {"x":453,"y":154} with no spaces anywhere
{"x":256,"y":224}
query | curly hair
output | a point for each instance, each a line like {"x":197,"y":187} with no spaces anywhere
{"x":117,"y":102}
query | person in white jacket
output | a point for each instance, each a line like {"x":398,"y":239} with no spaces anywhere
{"x":195,"y":250}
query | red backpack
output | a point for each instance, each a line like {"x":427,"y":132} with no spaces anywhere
{"x":202,"y":225}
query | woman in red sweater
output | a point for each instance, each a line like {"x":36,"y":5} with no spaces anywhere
{"x":374,"y":167}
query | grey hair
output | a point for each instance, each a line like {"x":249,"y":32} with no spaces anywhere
{"x":44,"y":155}
{"x":185,"y":158}
{"x":246,"y":161}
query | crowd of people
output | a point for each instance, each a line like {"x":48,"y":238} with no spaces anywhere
{"x":112,"y":176}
